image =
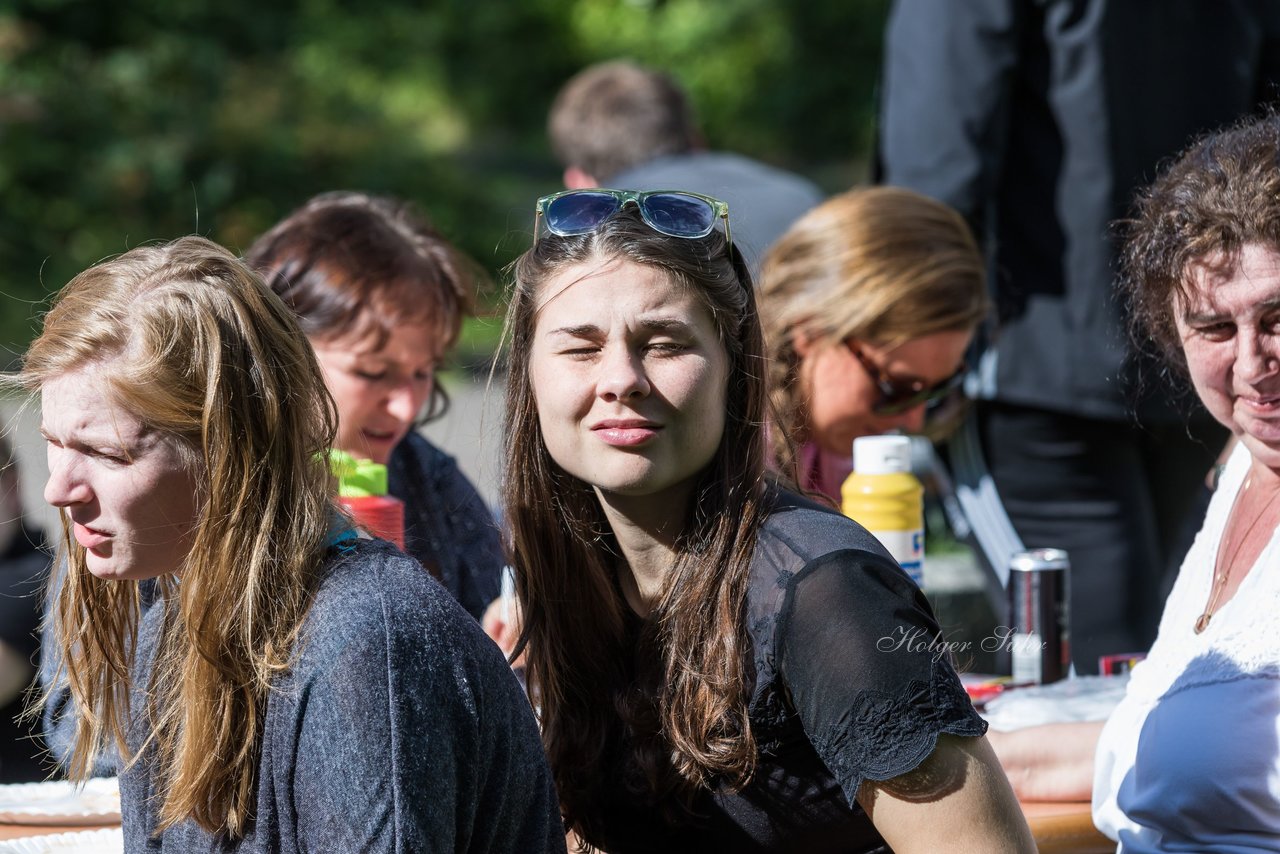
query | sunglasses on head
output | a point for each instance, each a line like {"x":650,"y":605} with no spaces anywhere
{"x":897,"y":396}
{"x":676,"y":213}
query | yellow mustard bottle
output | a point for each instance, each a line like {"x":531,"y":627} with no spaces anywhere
{"x":883,"y":496}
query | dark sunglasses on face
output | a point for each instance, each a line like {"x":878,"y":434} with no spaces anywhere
{"x":676,"y":213}
{"x":897,"y":396}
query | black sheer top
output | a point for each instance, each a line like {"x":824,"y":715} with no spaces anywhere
{"x":848,"y":687}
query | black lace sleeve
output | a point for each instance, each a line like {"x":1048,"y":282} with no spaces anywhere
{"x":860,"y":655}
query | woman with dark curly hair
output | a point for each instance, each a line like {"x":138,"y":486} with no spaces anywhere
{"x":1202,"y":271}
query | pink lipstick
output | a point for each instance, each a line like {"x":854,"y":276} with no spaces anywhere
{"x":625,"y":432}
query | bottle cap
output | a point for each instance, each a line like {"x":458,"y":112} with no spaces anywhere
{"x":881,"y":454}
{"x":357,"y":478}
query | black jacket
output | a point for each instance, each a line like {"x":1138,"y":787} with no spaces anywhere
{"x":1038,"y":120}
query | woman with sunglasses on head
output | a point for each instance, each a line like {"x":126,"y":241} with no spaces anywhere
{"x":292,"y":686}
{"x":869,"y":303}
{"x":719,"y":663}
{"x":381,"y":296}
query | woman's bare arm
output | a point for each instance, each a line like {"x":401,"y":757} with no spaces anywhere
{"x":1053,"y":762}
{"x":957,"y":800}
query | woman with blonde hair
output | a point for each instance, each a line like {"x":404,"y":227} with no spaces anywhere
{"x":293,"y":687}
{"x":869,"y":302}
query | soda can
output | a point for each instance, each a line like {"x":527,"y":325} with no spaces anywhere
{"x":1040,"y":615}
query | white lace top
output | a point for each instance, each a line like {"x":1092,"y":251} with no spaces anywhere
{"x":1190,"y":759}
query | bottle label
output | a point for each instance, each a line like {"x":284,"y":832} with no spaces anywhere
{"x":907,"y":548}
{"x":1027,"y":652}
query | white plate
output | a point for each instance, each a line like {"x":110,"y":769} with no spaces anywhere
{"x":61,"y":802}
{"x":1080,"y":698}
{"x":109,"y":841}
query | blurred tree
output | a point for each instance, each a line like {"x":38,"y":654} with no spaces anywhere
{"x":139,"y":120}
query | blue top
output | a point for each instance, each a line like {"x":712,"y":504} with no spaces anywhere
{"x":447,"y":526}
{"x":448,"y":530}
{"x":399,"y":728}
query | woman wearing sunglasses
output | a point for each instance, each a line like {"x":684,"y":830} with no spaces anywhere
{"x":720,"y":664}
{"x":869,"y":303}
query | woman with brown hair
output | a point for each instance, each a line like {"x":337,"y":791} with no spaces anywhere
{"x":381,"y":296}
{"x":292,"y":687}
{"x":719,"y":664}
{"x":869,"y":303}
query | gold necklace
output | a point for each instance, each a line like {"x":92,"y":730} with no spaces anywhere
{"x":1223,"y":574}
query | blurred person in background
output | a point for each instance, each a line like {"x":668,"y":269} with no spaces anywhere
{"x":293,"y":686}
{"x":1037,"y":120}
{"x":619,"y":124}
{"x":381,"y":296}
{"x":24,"y":568}
{"x":869,"y":303}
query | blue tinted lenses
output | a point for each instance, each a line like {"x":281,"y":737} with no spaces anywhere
{"x":672,"y":213}
{"x":677,"y":214}
{"x":579,"y":213}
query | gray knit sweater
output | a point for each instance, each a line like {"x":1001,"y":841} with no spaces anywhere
{"x":400,"y":728}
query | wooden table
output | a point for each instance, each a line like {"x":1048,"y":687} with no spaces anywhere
{"x":1065,"y":828}
{"x":1059,"y":828}
{"x":17,"y":831}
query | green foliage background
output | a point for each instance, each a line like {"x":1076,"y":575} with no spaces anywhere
{"x":137,"y":120}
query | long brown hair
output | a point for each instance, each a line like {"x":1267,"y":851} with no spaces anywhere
{"x":681,"y":688}
{"x":193,"y":344}
{"x":883,"y":265}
